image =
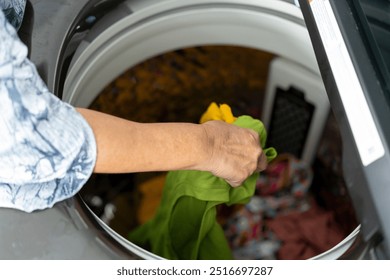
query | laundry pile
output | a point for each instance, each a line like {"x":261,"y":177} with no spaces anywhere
{"x":281,"y":221}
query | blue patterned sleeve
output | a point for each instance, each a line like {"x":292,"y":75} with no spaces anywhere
{"x":47,"y":149}
{"x":13,"y":11}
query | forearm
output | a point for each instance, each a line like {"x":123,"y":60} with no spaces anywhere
{"x":124,"y":146}
{"x":227,"y":151}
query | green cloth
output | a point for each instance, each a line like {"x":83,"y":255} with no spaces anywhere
{"x":185,"y":225}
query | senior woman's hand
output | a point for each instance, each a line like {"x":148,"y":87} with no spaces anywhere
{"x":234,"y":152}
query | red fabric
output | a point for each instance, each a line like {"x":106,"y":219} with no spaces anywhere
{"x":306,"y":234}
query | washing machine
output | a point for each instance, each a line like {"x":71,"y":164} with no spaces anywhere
{"x":80,"y":46}
{"x":351,"y":41}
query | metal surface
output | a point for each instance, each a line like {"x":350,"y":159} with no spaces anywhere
{"x":68,"y":230}
{"x":63,"y":232}
{"x":367,"y":180}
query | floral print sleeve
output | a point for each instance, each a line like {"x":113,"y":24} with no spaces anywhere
{"x":47,"y":149}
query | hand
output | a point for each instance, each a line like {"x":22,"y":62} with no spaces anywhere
{"x":234,"y":152}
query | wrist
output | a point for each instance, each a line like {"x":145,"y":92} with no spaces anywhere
{"x":208,"y":143}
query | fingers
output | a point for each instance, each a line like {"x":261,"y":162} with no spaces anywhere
{"x":236,"y":152}
{"x":234,"y":184}
{"x":261,"y":165}
{"x":262,"y":162}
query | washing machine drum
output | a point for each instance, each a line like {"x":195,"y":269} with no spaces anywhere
{"x":81,"y":46}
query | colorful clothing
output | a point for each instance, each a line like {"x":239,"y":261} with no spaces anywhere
{"x":280,"y":189}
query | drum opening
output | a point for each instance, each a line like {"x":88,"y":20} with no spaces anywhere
{"x":178,"y":86}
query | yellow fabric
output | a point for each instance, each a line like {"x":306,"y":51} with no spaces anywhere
{"x":221,"y":113}
{"x":151,"y":192}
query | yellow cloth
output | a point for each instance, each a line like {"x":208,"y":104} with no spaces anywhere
{"x":151,"y":192}
{"x":215,"y":112}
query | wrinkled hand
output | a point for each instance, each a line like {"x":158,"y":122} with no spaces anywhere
{"x":234,"y":152}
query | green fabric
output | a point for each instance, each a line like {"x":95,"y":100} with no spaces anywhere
{"x":185,"y":225}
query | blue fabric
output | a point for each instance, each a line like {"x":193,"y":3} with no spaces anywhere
{"x":47,"y":149}
{"x":13,"y":11}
